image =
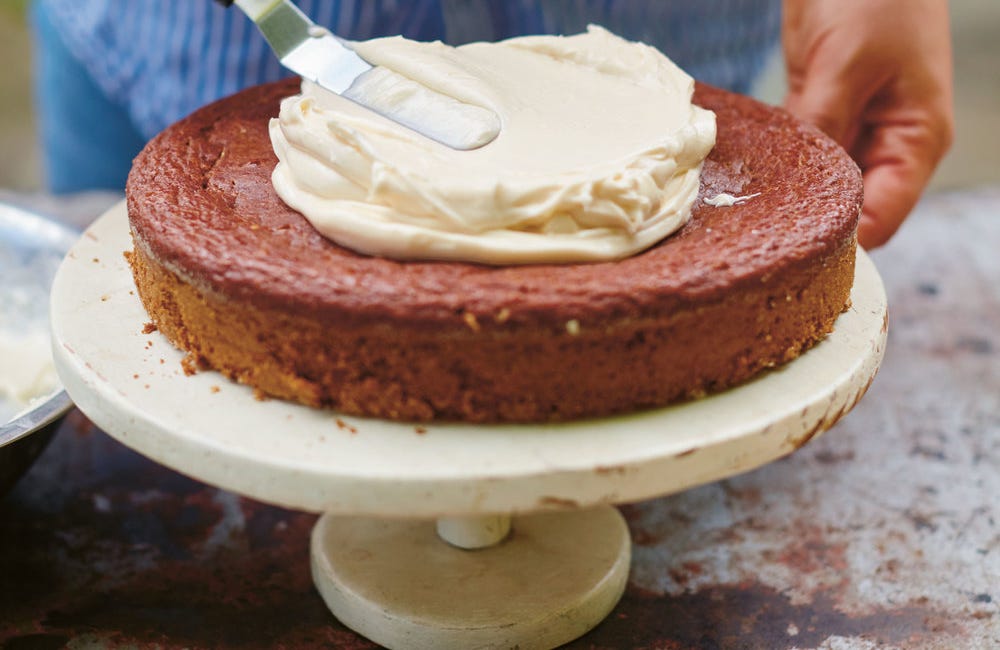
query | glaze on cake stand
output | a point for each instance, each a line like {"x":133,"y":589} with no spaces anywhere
{"x":391,"y":492}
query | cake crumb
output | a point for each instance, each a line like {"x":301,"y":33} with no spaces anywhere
{"x":105,"y":297}
{"x":419,"y":430}
{"x":573,"y":327}
{"x":470,"y":320}
{"x":260,"y":395}
{"x":345,"y":426}
{"x":189,"y":364}
{"x":149,"y":328}
{"x":214,"y":389}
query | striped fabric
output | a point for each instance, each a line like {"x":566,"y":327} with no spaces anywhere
{"x":161,"y":59}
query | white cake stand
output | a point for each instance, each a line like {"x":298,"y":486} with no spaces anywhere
{"x":391,"y":491}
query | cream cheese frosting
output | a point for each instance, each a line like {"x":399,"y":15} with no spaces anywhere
{"x":598,"y":155}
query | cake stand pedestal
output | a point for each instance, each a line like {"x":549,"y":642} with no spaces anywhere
{"x":398,"y":583}
{"x":413,"y":550}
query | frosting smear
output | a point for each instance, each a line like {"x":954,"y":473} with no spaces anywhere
{"x":598,"y":156}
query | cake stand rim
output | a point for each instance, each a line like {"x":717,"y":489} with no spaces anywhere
{"x":544,"y":483}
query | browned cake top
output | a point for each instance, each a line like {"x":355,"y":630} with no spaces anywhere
{"x":200,"y":201}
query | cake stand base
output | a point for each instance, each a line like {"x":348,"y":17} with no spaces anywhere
{"x":556,"y":576}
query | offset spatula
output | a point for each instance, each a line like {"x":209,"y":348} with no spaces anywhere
{"x":315,"y":54}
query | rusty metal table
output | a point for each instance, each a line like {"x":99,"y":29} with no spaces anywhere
{"x":883,"y":533}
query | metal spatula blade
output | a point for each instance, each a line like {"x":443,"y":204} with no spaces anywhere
{"x":317,"y":55}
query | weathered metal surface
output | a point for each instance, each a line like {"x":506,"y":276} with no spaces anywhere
{"x":883,"y":533}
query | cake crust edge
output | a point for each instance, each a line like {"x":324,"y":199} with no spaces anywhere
{"x":582,"y":370}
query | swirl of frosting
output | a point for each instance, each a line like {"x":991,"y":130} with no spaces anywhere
{"x":598,"y":156}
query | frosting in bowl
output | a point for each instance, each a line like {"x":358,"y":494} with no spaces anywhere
{"x":598,"y":156}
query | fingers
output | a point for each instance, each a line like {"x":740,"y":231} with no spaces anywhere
{"x":891,"y":191}
{"x":876,"y":77}
{"x":832,"y":96}
{"x":897,"y":160}
{"x":823,"y":109}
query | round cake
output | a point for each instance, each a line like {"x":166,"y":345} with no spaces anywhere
{"x":248,"y":287}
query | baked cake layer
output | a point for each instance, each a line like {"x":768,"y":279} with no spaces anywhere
{"x":248,"y":287}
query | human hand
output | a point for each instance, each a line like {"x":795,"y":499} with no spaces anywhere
{"x":876,"y":76}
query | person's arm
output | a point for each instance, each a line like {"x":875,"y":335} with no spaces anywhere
{"x":876,"y":75}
